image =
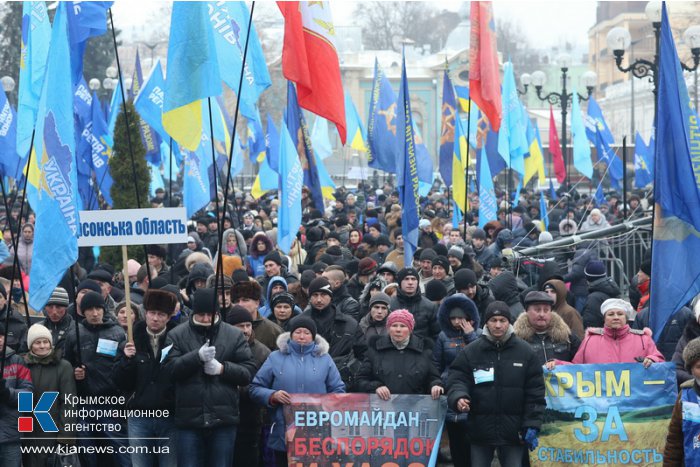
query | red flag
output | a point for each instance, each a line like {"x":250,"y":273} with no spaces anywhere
{"x":484,"y":78}
{"x":555,"y":149}
{"x":309,"y":58}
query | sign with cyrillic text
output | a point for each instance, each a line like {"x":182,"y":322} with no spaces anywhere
{"x":606,"y":414}
{"x":361,"y":429}
{"x":133,"y":227}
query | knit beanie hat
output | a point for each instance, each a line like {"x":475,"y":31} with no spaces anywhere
{"x":305,"y":322}
{"x":320,"y":284}
{"x":90,"y":285}
{"x":92,"y":300}
{"x":366,"y":267}
{"x":59,"y":297}
{"x":273,"y":256}
{"x":238,"y":315}
{"x":479,"y":233}
{"x":442,"y":261}
{"x":405,"y":272}
{"x":435,"y":291}
{"x":282,"y":297}
{"x":498,"y":308}
{"x":464,"y":278}
{"x":594,"y":270}
{"x":205,"y":301}
{"x":456,"y":252}
{"x":381,"y":297}
{"x":428,"y":254}
{"x":38,"y":331}
{"x":691,"y":353}
{"x":401,"y":316}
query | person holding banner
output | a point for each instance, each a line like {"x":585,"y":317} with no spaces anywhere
{"x":498,"y":380}
{"x":301,"y":365}
{"x":616,"y":342}
{"x":684,"y":429}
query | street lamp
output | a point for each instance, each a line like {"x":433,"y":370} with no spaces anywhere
{"x":8,"y":83}
{"x":563,"y":98}
{"x":525,"y":80}
{"x":94,"y":84}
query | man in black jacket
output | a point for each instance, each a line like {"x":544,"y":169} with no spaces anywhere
{"x":139,"y":371}
{"x":344,"y":336}
{"x":58,"y":321}
{"x":342,"y":300}
{"x":600,"y":288}
{"x":409,"y":297}
{"x":209,"y":360}
{"x":498,"y":380}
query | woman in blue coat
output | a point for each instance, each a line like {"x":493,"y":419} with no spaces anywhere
{"x":301,"y":365}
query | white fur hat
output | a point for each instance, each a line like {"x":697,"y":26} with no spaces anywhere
{"x":38,"y":331}
{"x":618,"y":304}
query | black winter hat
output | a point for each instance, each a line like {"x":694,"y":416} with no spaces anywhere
{"x":156,"y":250}
{"x":405,"y":272}
{"x":306,"y":278}
{"x":92,"y":300}
{"x":464,"y":278}
{"x":302,"y":321}
{"x":428,"y":254}
{"x":498,"y":308}
{"x":205,"y":301}
{"x":435,"y":290}
{"x":320,"y":284}
{"x":238,"y":315}
{"x":442,"y":261}
{"x":273,"y":256}
{"x":282,"y":297}
{"x":100,"y":275}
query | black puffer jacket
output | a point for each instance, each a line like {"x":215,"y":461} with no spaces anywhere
{"x":482,"y":299}
{"x":671,"y":333}
{"x":505,"y":289}
{"x":558,"y":343}
{"x":407,"y":371}
{"x":201,"y":400}
{"x":343,"y":335}
{"x":143,"y":375}
{"x":16,"y":331}
{"x":423,"y":310}
{"x":506,"y":406}
{"x":98,"y":366}
{"x":691,"y":331}
{"x":59,"y":331}
{"x":598,"y":291}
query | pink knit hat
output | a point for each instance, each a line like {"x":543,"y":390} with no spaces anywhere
{"x":401,"y":316}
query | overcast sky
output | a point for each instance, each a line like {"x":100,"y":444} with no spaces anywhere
{"x":546,"y":22}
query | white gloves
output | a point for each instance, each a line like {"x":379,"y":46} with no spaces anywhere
{"x":207,"y":352}
{"x":213,"y":367}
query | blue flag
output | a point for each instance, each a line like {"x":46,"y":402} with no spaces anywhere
{"x":599,"y":134}
{"x":156,"y":179}
{"x":643,"y":157}
{"x":512,"y":135}
{"x":85,"y":20}
{"x":196,"y":180}
{"x":544,"y":215}
{"x":516,"y":194}
{"x":149,"y":101}
{"x":552,"y":191}
{"x":36,"y":34}
{"x":320,"y":139}
{"x":407,"y":175}
{"x":382,"y":136}
{"x":9,"y":159}
{"x":457,"y":215}
{"x":115,"y":106}
{"x":230,"y":24}
{"x":488,"y":205}
{"x":149,"y":137}
{"x":582,"y":150}
{"x":101,"y":151}
{"x":52,"y":177}
{"x":448,"y":129}
{"x":599,"y":195}
{"x":256,"y":139}
{"x":289,"y":219}
{"x":272,"y":142}
{"x":298,"y":131}
{"x":675,"y":274}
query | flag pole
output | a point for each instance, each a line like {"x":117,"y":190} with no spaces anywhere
{"x":624,"y":177}
{"x":128,"y":136}
{"x":233,"y":142}
{"x":219,"y":219}
{"x":466,"y":176}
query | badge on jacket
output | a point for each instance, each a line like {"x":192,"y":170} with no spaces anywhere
{"x":482,"y":375}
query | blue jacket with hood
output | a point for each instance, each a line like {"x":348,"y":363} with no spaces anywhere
{"x":266,"y":310}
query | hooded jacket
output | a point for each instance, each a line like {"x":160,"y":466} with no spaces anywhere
{"x":691,"y":331}
{"x":255,"y":260}
{"x":407,"y":371}
{"x":505,"y":289}
{"x":451,"y":341}
{"x":557,"y":343}
{"x":598,"y":291}
{"x":568,"y":313}
{"x":241,"y":247}
{"x":265,"y":310}
{"x":98,"y":365}
{"x":623,"y":345}
{"x":296,"y":369}
{"x":201,"y":400}
{"x":507,"y":404}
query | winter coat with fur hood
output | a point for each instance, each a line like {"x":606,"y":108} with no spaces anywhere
{"x":294,"y":368}
{"x":568,"y":313}
{"x":557,"y":343}
{"x":451,"y":341}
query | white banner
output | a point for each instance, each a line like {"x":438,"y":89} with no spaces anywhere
{"x":133,"y":227}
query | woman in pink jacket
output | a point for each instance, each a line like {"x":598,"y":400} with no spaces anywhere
{"x":616,"y":342}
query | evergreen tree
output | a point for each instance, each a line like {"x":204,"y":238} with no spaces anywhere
{"x":125,"y":185}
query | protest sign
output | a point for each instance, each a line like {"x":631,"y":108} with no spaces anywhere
{"x":132,"y":227}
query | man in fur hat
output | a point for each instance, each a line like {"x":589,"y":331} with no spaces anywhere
{"x":138,"y":371}
{"x":247,"y":294}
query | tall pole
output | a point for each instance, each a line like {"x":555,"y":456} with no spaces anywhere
{"x":624,"y":177}
{"x":564,"y":102}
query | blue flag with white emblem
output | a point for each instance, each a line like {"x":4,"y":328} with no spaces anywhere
{"x":407,"y":175}
{"x":599,"y":134}
{"x":382,"y":135}
{"x":643,"y":162}
{"x":9,"y":159}
{"x":52,"y":179}
{"x":289,"y":219}
{"x":85,"y":20}
{"x":675,"y":272}
{"x":544,"y":215}
{"x":149,"y":101}
{"x":101,"y":151}
{"x":512,"y":135}
{"x":582,"y":150}
{"x":488,"y":204}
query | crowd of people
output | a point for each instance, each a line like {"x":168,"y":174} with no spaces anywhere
{"x":226,"y":328}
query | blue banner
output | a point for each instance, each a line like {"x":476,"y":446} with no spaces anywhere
{"x":382,"y":135}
